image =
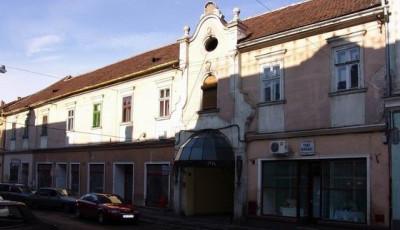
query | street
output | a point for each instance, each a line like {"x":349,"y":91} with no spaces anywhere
{"x":67,"y":221}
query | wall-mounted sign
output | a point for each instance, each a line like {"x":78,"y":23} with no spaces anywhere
{"x":307,"y":148}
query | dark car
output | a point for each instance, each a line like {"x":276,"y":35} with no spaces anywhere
{"x":53,"y":198}
{"x":15,"y":215}
{"x":15,"y":192}
{"x":106,"y":207}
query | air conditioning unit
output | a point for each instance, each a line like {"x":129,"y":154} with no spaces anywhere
{"x":279,"y":148}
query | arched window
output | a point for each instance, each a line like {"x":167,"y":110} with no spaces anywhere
{"x":209,"y":93}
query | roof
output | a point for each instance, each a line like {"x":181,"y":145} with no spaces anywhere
{"x":141,"y":62}
{"x":303,"y":14}
{"x":291,"y":17}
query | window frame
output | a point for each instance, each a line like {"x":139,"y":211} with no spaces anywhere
{"x":264,"y":80}
{"x":26,"y":128}
{"x":348,"y":64}
{"x":70,"y":126}
{"x":44,"y":130}
{"x":98,"y":113}
{"x":126,"y":116}
{"x":13,"y":131}
{"x":163,"y":110}
{"x":209,"y":91}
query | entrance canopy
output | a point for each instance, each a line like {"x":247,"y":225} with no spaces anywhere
{"x":209,"y":148}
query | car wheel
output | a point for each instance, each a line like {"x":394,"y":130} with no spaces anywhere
{"x":100,"y":218}
{"x":78,"y":213}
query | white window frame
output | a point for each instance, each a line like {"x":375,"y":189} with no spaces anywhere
{"x":88,"y":175}
{"x":264,"y":80}
{"x":145,"y":178}
{"x":164,"y":99}
{"x":335,"y":75}
{"x":68,"y":119}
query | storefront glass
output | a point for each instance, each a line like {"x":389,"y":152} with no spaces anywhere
{"x":327,"y":189}
{"x":279,"y":188}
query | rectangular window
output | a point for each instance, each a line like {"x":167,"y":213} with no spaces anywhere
{"x":26,"y":128}
{"x":344,"y":190}
{"x":13,"y":131}
{"x":164,"y":102}
{"x":279,"y":188}
{"x":126,"y":109}
{"x":96,"y":178}
{"x":74,"y":179}
{"x":347,"y":68}
{"x":44,"y":125}
{"x":96,"y":115}
{"x":70,"y":120}
{"x":272,"y":83}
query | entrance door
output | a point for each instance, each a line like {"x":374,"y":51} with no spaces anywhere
{"x":123,"y":181}
{"x":157,"y":185}
{"x":309,"y":193}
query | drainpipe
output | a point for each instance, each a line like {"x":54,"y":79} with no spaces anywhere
{"x":389,"y":126}
{"x":387,"y":41}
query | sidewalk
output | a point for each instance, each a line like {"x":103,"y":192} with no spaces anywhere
{"x":168,"y":218}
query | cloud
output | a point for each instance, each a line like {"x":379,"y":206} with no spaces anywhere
{"x":42,"y":44}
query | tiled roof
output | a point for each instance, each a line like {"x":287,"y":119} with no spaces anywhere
{"x":303,"y":14}
{"x":281,"y":20}
{"x":132,"y":65}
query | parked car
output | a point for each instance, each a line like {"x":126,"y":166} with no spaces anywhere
{"x":53,"y":198}
{"x":106,"y":207}
{"x":16,"y":215}
{"x":15,"y":192}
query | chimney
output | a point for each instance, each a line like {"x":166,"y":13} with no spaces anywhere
{"x":2,"y":103}
{"x":19,"y":98}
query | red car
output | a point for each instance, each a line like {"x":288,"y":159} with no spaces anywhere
{"x":105,"y":207}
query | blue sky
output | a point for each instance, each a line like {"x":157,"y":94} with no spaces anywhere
{"x":71,"y":37}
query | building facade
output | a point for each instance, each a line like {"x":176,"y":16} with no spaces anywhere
{"x":280,"y":116}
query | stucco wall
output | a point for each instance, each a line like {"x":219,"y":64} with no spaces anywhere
{"x":144,"y":125}
{"x":368,"y":145}
{"x":137,"y":156}
{"x":308,"y":77}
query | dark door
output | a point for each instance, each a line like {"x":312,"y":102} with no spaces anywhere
{"x":309,"y":193}
{"x":128,"y":183}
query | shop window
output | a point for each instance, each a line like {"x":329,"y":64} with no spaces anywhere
{"x":126,"y":108}
{"x":157,"y":185}
{"x":279,"y":189}
{"x":210,"y":91}
{"x":345,"y":190}
{"x":96,"y":178}
{"x":164,"y":102}
{"x":347,"y":72}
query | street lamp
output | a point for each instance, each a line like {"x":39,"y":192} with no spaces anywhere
{"x":3,"y":69}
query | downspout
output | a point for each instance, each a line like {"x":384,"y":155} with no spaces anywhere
{"x":389,"y":125}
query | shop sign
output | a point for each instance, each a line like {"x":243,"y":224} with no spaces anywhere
{"x":307,"y":148}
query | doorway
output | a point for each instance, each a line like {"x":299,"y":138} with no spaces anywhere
{"x":309,"y":192}
{"x":61,"y":175}
{"x":123,"y":181}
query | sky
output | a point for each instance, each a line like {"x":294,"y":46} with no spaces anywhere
{"x":56,"y":38}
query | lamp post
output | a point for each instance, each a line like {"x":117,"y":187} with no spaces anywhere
{"x":3,"y":69}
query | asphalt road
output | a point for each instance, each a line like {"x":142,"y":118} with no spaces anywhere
{"x":67,"y":221}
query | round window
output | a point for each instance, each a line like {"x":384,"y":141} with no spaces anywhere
{"x":211,"y":44}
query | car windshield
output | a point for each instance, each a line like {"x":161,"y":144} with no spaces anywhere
{"x":110,"y":199}
{"x":63,"y":192}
